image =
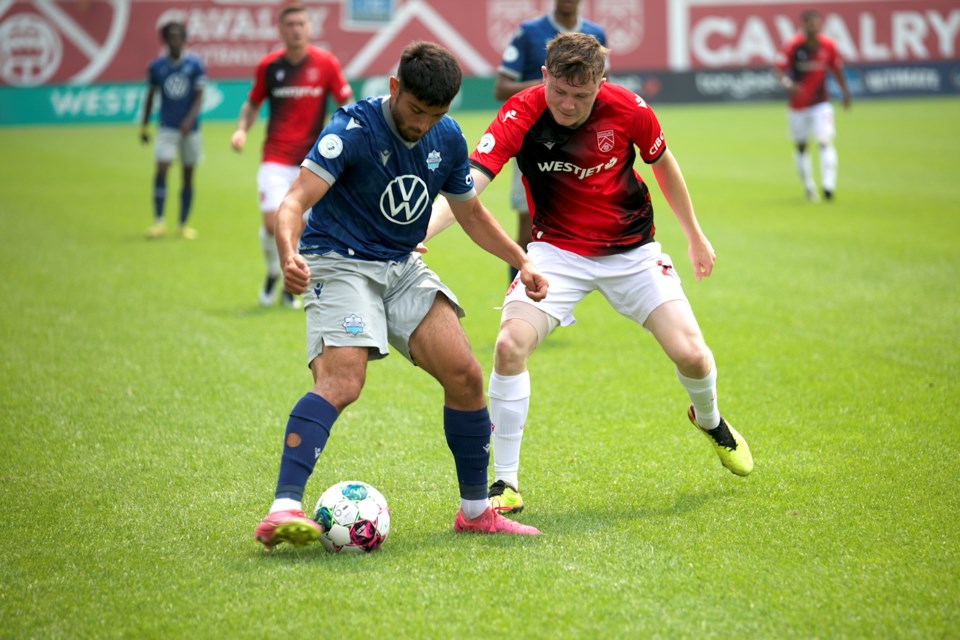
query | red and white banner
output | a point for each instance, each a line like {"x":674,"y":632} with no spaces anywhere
{"x":87,"y":41}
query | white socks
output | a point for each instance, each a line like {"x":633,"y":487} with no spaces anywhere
{"x":473,"y":508}
{"x":509,"y":404}
{"x":285,"y":504}
{"x":270,"y":254}
{"x":804,"y":162}
{"x":703,"y":395}
{"x":828,"y":167}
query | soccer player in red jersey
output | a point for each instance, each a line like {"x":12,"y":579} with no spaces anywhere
{"x":296,"y":81}
{"x":801,"y":66}
{"x":575,"y":138}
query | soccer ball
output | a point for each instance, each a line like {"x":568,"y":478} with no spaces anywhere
{"x":354,"y":516}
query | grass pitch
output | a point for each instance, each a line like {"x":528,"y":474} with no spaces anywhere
{"x":145,"y":393}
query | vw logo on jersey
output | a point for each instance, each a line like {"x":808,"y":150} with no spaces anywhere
{"x":176,"y":85}
{"x":405,"y":199}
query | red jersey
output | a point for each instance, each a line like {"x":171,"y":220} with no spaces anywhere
{"x":584,"y":194}
{"x":297,"y":95}
{"x":807,"y":66}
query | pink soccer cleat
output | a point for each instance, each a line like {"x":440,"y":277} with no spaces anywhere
{"x":291,"y":526}
{"x":492,"y":522}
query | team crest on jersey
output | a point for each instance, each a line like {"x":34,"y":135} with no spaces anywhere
{"x":405,"y":199}
{"x":353,"y":324}
{"x":605,"y":140}
{"x":281,"y":74}
{"x":330,"y":146}
{"x":433,"y":160}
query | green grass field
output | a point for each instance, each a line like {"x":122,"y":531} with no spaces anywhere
{"x":145,"y":394}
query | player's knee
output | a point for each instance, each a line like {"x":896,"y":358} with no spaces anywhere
{"x":464,"y":381}
{"x":695,"y":360}
{"x":510,"y":352}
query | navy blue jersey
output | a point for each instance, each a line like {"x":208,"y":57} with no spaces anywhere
{"x":527,"y":50}
{"x":382,"y":187}
{"x":177,"y":81}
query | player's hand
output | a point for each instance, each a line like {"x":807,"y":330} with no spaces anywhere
{"x":296,"y":274}
{"x":144,"y":135}
{"x":238,"y":139}
{"x":421,"y":248}
{"x":702,"y":257}
{"x":534,"y":283}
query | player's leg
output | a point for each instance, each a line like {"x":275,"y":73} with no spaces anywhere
{"x":424,"y":319}
{"x":798,"y":121}
{"x":338,"y":360}
{"x":523,"y":326}
{"x":273,"y":181}
{"x":676,"y":330}
{"x":189,"y":158}
{"x":339,"y":374}
{"x":164,"y":153}
{"x":642,"y":285}
{"x":440,"y":347}
{"x":824,"y":132}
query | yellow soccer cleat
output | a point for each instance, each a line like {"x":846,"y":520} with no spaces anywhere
{"x":156,"y":231}
{"x":187,"y":233}
{"x":729,"y":445}
{"x":504,"y":498}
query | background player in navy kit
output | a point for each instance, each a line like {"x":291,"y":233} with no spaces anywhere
{"x":180,"y":79}
{"x":801,"y":66}
{"x":576,"y":138}
{"x":520,"y":69}
{"x":369,"y":183}
{"x":296,"y":81}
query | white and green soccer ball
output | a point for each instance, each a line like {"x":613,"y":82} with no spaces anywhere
{"x":354,"y":516}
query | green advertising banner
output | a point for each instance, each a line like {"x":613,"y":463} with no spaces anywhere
{"x":123,"y":102}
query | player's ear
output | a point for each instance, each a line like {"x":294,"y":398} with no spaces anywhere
{"x":394,"y":87}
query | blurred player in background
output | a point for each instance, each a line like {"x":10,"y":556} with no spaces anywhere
{"x":575,"y":138}
{"x":520,"y":69}
{"x":180,"y":80}
{"x":369,"y":183}
{"x":801,"y":66}
{"x":296,"y":81}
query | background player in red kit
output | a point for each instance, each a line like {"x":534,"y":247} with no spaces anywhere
{"x":296,"y":81}
{"x":575,"y":138}
{"x":801,"y":66}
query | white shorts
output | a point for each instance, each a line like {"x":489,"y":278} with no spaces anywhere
{"x":634,"y":283}
{"x":813,"y":122}
{"x":170,"y":144}
{"x":273,"y":182}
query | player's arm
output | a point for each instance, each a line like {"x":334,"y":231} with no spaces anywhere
{"x":307,"y":189}
{"x":147,"y":109}
{"x":842,"y":83}
{"x":248,"y":115}
{"x":674,"y":189}
{"x":486,"y":232}
{"x":187,"y":123}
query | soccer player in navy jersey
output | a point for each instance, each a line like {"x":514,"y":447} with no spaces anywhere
{"x":801,"y":66}
{"x":369,"y":183}
{"x":297,"y":82}
{"x":180,"y":79}
{"x":519,"y":69}
{"x":576,"y":138}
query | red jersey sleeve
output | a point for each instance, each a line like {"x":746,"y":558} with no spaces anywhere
{"x":504,"y":137}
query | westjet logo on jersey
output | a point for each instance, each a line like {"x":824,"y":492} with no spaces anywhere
{"x":297,"y":92}
{"x":558,"y":166}
{"x":405,"y":199}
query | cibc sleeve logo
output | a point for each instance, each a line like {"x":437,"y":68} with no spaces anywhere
{"x":405,"y":199}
